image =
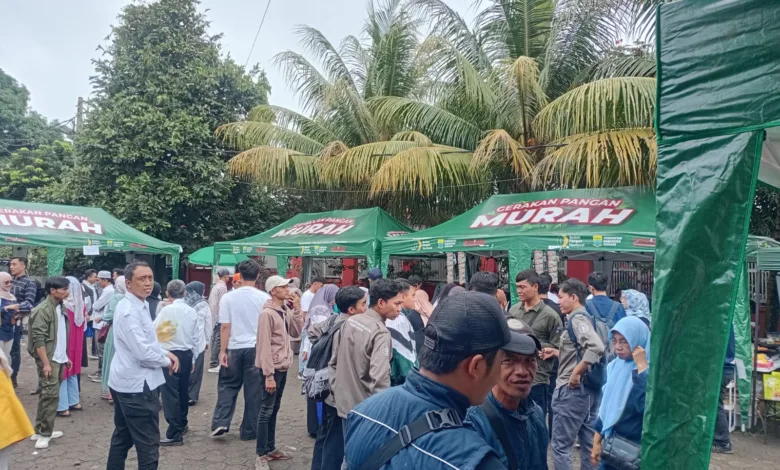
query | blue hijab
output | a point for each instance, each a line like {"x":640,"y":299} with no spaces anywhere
{"x":638,"y":306}
{"x":620,"y":372}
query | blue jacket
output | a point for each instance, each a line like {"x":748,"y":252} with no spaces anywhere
{"x":376,"y":420}
{"x":525,"y":428}
{"x":604,"y":304}
{"x":630,"y":424}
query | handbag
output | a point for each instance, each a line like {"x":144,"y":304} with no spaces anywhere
{"x":620,"y":453}
{"x":103,"y":335}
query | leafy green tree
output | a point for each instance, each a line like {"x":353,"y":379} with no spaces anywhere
{"x":25,"y":171}
{"x":19,"y":126}
{"x":147,"y":152}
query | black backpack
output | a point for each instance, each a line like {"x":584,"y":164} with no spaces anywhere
{"x":315,"y":376}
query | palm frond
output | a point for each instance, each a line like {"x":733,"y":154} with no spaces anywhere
{"x":448,"y":25}
{"x":612,"y":103}
{"x":523,"y":76}
{"x":247,"y":134}
{"x":509,"y":29}
{"x":286,"y":118}
{"x":356,"y":166}
{"x":349,"y":116}
{"x":424,"y":170}
{"x":333,"y":149}
{"x":621,"y":65}
{"x":261,"y":113}
{"x":357,"y":59}
{"x":412,"y":136}
{"x":317,"y":44}
{"x":275,"y":166}
{"x":303,"y":79}
{"x":499,"y":151}
{"x":440,"y":125}
{"x":625,"y":157}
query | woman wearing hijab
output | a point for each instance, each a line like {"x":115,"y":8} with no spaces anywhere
{"x":623,"y":399}
{"x":194,"y":298}
{"x":8,"y":307}
{"x":154,"y":300}
{"x":76,"y":312}
{"x":320,"y":309}
{"x":636,"y":305}
{"x":120,"y":289}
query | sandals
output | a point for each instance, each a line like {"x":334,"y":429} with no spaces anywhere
{"x":77,"y":407}
{"x":278,"y":455}
{"x":63,"y":414}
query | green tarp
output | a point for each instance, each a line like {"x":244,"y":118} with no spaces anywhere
{"x":71,"y":227}
{"x":718,"y":89}
{"x":205,"y":257}
{"x":335,"y":234}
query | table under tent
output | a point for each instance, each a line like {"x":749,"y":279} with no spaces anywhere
{"x":87,"y":229}
{"x":717,"y":114}
{"x":605,"y":226}
{"x":356,"y":233}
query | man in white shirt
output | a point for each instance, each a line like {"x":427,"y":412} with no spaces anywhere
{"x":98,"y":311}
{"x":136,"y":374}
{"x":239,"y":311}
{"x":308,"y":296}
{"x":48,"y":344}
{"x":177,"y":332}
{"x":215,"y":296}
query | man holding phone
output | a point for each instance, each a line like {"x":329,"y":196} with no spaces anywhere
{"x":280,"y":319}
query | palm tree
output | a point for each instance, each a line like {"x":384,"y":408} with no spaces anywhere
{"x":535,"y":93}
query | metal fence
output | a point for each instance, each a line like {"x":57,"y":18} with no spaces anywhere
{"x":637,"y":275}
{"x":763,"y":282}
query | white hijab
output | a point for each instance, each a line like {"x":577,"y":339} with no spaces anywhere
{"x":75,"y":301}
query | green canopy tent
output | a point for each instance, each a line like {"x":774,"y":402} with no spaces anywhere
{"x":590,"y":222}
{"x":718,"y":108}
{"x":58,"y":228}
{"x":205,"y":257}
{"x":342,"y":234}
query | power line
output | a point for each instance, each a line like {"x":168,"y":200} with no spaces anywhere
{"x":257,"y":34}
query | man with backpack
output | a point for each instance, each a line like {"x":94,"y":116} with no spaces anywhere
{"x":329,"y":448}
{"x":581,"y":373}
{"x":601,"y":306}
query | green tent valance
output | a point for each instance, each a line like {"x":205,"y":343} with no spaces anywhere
{"x":346,"y":233}
{"x":60,"y":227}
{"x":205,"y":257}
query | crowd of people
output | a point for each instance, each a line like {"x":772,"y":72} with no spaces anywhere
{"x":392,"y":377}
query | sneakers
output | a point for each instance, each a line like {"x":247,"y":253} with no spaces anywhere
{"x":214,"y":370}
{"x":729,"y":449}
{"x":54,"y":435}
{"x":92,"y":356}
{"x":219,"y":431}
{"x":43,"y":443}
{"x":261,"y":463}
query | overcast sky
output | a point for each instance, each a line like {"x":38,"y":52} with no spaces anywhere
{"x":48,"y":44}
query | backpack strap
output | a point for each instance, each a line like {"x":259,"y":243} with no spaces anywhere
{"x":498,"y":427}
{"x":431,"y":421}
{"x":612,"y":312}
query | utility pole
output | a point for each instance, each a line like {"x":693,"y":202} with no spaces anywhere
{"x":79,"y":113}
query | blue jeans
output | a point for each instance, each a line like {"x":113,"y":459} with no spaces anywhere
{"x":69,"y":393}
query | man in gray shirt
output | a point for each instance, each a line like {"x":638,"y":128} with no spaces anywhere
{"x":576,"y":406}
{"x":546,"y":326}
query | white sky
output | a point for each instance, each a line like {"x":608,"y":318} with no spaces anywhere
{"x":48,"y":44}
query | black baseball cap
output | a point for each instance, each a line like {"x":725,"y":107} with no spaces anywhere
{"x":467,"y":324}
{"x":523,"y":339}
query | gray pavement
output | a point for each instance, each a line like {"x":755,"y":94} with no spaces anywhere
{"x":88,"y":433}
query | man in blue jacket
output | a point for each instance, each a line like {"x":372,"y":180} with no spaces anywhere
{"x":420,"y":423}
{"x":509,"y":420}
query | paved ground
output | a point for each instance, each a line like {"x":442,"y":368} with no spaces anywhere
{"x":87,"y":435}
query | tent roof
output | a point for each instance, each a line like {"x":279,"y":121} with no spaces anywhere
{"x":356,"y":232}
{"x":53,"y":225}
{"x":205,"y":257}
{"x":614,"y":219}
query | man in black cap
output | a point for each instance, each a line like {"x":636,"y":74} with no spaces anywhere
{"x":509,"y":420}
{"x":420,"y":423}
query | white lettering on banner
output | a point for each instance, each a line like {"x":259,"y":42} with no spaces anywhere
{"x":315,"y":229}
{"x":555,"y":215}
{"x":52,"y":222}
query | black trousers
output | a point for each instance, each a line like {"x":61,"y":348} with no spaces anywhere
{"x":329,"y":448}
{"x":312,"y":422}
{"x":266,"y":418}
{"x":540,"y":394}
{"x":16,"y":356}
{"x":241,"y":371}
{"x":136,"y":422}
{"x":215,"y":345}
{"x":196,"y":378}
{"x":175,"y":395}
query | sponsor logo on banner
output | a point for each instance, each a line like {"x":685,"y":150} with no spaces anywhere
{"x":137,"y":245}
{"x":644,"y":242}
{"x":338,"y":249}
{"x":323,"y":226}
{"x":50,"y":220}
{"x":598,"y":240}
{"x":573,"y":211}
{"x":260,"y":250}
{"x":236,"y":250}
{"x":396,"y":233}
{"x":474,"y":243}
{"x":313,"y":249}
